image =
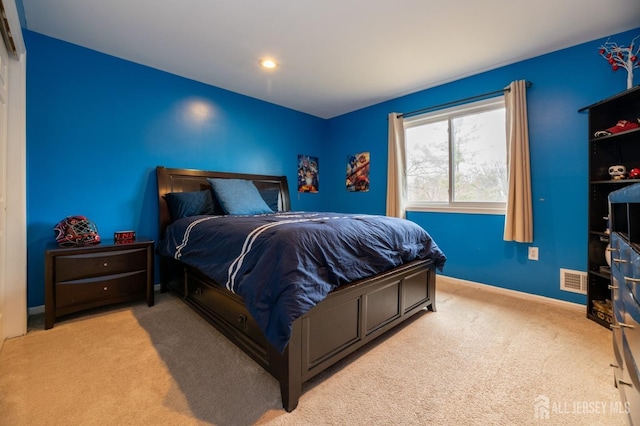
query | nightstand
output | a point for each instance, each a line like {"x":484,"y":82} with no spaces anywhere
{"x":79,"y":278}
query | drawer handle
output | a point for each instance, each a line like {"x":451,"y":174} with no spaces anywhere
{"x":621,"y":325}
{"x":620,"y":260}
{"x":613,"y":366}
{"x":198,"y":291}
{"x":106,"y":288}
{"x":622,"y":382}
{"x":612,"y":249}
{"x":613,"y":287}
{"x":105,"y":264}
{"x":632,"y":280}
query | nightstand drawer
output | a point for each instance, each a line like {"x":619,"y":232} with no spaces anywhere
{"x":99,"y":264}
{"x":71,"y":293}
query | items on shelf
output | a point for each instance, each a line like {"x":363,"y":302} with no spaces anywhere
{"x":618,"y":171}
{"x":621,"y":126}
{"x":603,"y":309}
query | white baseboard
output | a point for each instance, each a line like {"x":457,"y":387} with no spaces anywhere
{"x":509,"y":292}
{"x":35,"y":310}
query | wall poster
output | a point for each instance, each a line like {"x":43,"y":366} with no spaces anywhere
{"x":308,"y":176}
{"x":358,"y":172}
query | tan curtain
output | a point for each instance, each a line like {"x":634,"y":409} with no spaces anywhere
{"x":396,"y":167}
{"x":518,"y":224}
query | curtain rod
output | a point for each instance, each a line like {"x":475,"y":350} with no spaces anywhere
{"x":459,"y":101}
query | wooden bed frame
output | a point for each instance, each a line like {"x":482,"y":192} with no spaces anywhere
{"x":347,"y":319}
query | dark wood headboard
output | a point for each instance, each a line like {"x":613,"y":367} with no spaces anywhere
{"x":185,"y":180}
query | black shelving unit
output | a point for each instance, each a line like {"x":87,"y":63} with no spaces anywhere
{"x":619,"y":148}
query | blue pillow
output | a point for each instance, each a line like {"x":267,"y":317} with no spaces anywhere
{"x":184,"y":204}
{"x":239,"y":196}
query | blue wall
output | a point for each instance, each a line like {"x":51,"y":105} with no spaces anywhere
{"x":563,"y":82}
{"x":97,"y":126}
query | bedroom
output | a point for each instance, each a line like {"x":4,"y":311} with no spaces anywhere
{"x":131,"y":116}
{"x":96,"y":121}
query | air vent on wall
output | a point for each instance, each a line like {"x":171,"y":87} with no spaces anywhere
{"x":574,"y":281}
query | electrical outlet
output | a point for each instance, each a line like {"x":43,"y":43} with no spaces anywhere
{"x":533,"y":253}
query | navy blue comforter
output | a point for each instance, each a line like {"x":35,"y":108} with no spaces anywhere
{"x":284,"y":264}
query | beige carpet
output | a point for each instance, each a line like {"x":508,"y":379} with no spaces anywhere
{"x":484,"y":358}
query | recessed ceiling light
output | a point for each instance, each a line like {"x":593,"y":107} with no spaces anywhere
{"x":268,"y":63}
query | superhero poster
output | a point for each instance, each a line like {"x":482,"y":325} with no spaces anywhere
{"x":308,"y":180}
{"x":358,"y":172}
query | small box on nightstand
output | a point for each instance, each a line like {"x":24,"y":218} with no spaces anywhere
{"x":124,"y":237}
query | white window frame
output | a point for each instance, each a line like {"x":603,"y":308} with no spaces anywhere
{"x":451,"y":206}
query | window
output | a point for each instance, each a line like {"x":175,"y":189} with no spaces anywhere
{"x":457,"y":159}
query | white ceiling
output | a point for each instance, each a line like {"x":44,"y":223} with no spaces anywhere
{"x":335,"y":56}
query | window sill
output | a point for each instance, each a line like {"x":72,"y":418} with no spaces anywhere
{"x":457,"y":209}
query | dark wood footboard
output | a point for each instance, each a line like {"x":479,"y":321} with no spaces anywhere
{"x":346,"y":320}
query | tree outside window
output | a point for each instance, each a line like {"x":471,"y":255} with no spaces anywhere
{"x":457,"y":158}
